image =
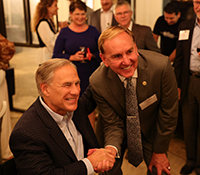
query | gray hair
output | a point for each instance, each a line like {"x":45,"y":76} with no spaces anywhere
{"x":45,"y":72}
{"x":120,"y":3}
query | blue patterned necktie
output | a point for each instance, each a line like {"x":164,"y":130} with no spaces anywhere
{"x":135,"y":153}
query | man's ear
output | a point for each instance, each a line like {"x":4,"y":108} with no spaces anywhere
{"x":44,"y":88}
{"x":104,"y":59}
{"x":136,"y":50}
{"x":179,"y":14}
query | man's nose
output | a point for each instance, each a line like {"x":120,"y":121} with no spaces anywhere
{"x":75,"y":90}
{"x":126,"y":60}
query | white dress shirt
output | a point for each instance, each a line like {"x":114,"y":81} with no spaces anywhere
{"x":106,"y":18}
{"x":72,"y":135}
{"x":194,"y":57}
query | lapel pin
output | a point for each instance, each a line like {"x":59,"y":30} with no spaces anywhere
{"x":144,"y":83}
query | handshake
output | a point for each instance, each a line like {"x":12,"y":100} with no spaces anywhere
{"x":102,"y":159}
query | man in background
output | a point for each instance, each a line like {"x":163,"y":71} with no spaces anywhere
{"x":166,"y":27}
{"x":187,"y":70}
{"x":143,"y":34}
{"x":103,"y":17}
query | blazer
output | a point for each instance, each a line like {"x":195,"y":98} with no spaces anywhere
{"x":144,"y":38}
{"x":182,"y":60}
{"x":158,"y":120}
{"x":94,"y":20}
{"x":40,"y":147}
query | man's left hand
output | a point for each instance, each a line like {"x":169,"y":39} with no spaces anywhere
{"x":160,"y":162}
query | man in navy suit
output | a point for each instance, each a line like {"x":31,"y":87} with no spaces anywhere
{"x":187,"y":70}
{"x":54,"y":135}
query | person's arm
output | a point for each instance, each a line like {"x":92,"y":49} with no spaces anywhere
{"x":166,"y":120}
{"x":112,"y":123}
{"x":156,"y":29}
{"x":47,"y":36}
{"x":172,"y":56}
{"x":150,"y":42}
{"x":155,"y":37}
{"x":88,"y":101}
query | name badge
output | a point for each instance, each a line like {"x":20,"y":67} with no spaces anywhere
{"x":184,"y":35}
{"x":148,"y":102}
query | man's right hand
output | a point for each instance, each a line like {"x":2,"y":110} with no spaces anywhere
{"x":101,"y":159}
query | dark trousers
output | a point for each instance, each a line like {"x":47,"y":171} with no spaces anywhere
{"x":191,"y":123}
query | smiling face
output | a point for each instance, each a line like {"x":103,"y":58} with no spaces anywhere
{"x":53,"y":9}
{"x":78,"y":16}
{"x":196,"y":4}
{"x":62,"y":94}
{"x":172,"y":18}
{"x":123,"y":15}
{"x":121,"y":55}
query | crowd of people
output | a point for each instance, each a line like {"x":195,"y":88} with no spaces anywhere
{"x":106,"y":64}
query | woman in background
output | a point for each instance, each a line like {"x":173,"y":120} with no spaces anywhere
{"x":79,"y":43}
{"x":45,"y":28}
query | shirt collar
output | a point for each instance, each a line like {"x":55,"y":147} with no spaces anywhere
{"x":130,"y":25}
{"x":57,"y":117}
{"x":135,"y":75}
{"x":196,"y":22}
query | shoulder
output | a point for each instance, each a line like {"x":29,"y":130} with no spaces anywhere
{"x":187,"y":23}
{"x":153,"y":59}
{"x":93,"y":29}
{"x":65,"y":31}
{"x":29,"y":119}
{"x":95,"y":13}
{"x":161,"y":18}
{"x":43,"y":21}
{"x":142,"y":27}
{"x":99,"y":74}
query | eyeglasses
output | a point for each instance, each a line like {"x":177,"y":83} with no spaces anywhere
{"x":123,"y":13}
{"x":196,"y":3}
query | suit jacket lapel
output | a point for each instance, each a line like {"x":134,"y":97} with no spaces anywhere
{"x":54,"y":130}
{"x":135,"y":31}
{"x":191,"y":28}
{"x":98,"y":18}
{"x":116,"y":88}
{"x":143,"y":79}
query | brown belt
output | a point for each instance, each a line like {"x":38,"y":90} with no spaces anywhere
{"x":195,"y":74}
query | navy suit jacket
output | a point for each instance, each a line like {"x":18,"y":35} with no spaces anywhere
{"x":40,"y":147}
{"x":182,"y":60}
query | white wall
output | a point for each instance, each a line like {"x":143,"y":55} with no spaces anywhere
{"x":147,"y":11}
{"x":63,"y":11}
